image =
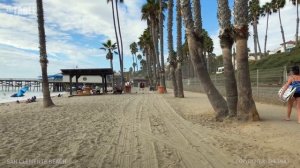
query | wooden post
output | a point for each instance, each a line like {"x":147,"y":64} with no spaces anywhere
{"x":71,"y":76}
{"x":103,"y":87}
{"x":77,"y":77}
{"x":105,"y":83}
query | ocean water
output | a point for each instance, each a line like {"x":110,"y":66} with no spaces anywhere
{"x":5,"y":95}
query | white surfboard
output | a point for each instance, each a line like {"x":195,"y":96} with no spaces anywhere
{"x":287,"y":94}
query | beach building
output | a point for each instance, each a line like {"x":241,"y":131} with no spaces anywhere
{"x":92,"y":77}
{"x":289,"y":46}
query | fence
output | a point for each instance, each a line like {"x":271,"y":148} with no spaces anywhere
{"x":265,"y":83}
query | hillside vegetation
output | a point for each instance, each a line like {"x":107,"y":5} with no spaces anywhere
{"x":277,"y":60}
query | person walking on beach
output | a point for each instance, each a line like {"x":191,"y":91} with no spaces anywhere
{"x":142,"y":86}
{"x":290,"y":103}
{"x":293,"y":79}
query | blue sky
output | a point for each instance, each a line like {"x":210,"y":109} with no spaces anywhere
{"x":75,"y":33}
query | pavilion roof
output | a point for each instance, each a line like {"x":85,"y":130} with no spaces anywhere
{"x":92,"y":71}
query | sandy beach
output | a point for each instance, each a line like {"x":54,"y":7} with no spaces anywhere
{"x":143,"y":130}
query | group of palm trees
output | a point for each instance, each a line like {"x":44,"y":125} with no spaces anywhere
{"x":151,"y":43}
{"x":239,"y":102}
{"x":256,"y":11}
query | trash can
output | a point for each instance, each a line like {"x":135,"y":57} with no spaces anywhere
{"x":127,"y":89}
{"x":161,"y":89}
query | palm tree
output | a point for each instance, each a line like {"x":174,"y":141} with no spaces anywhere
{"x":246,"y":105}
{"x":208,"y":47}
{"x":134,"y":50}
{"x":47,"y":101}
{"x":138,"y":57}
{"x":143,"y":63}
{"x":195,"y":44}
{"x":296,"y":3}
{"x":267,"y":10}
{"x":150,"y":13}
{"x":226,"y":36}
{"x":172,"y":56}
{"x":254,"y":12}
{"x":117,"y":35}
{"x":119,"y":28}
{"x":146,"y":45}
{"x":161,"y":37}
{"x":111,"y":49}
{"x":180,"y":92}
{"x":278,"y":4}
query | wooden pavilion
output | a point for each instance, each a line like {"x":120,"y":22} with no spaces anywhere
{"x":103,"y":73}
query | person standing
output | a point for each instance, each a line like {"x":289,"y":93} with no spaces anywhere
{"x":294,"y":79}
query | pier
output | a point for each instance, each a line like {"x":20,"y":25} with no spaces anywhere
{"x":15,"y":84}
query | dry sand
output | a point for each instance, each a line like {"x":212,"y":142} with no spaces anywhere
{"x":142,"y":130}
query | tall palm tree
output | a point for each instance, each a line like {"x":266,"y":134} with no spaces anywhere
{"x":161,"y":37}
{"x":47,"y":101}
{"x":180,"y":92}
{"x":117,"y":34}
{"x":172,"y":56}
{"x":296,"y":3}
{"x":195,"y":44}
{"x":246,"y":105}
{"x":278,"y":4}
{"x":150,"y":13}
{"x":267,"y":10}
{"x":146,"y":45}
{"x":226,"y":36}
{"x":111,"y":50}
{"x":119,"y":27}
{"x":254,"y":12}
{"x":134,"y":50}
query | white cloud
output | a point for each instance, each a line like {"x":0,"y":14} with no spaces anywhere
{"x":92,"y":18}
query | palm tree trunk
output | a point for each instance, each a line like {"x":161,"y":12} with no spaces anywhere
{"x":133,"y":63}
{"x":266,"y":36}
{"x":152,"y":27}
{"x":47,"y":101}
{"x":254,"y":41}
{"x":153,"y":59}
{"x":282,"y":32}
{"x":256,"y":34}
{"x":121,"y":44}
{"x":246,"y":105}
{"x":198,"y":18}
{"x":172,"y":58}
{"x":112,"y":67}
{"x":136,"y":62}
{"x":178,"y":72}
{"x":117,"y":38}
{"x":149,"y":71}
{"x":194,"y":40}
{"x":157,"y":53}
{"x":161,"y":32}
{"x":198,"y":26}
{"x":257,"y":40}
{"x":111,"y":64}
{"x":226,"y":42}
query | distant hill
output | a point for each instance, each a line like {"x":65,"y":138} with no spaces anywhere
{"x":277,"y":60}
